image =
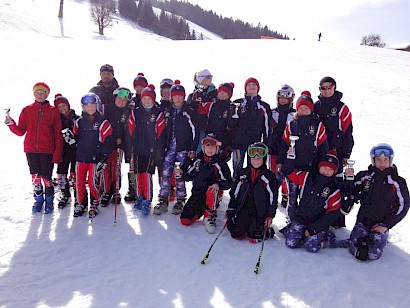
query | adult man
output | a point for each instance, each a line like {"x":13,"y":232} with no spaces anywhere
{"x":105,"y":87}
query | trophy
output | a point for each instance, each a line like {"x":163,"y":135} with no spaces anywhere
{"x":178,"y":167}
{"x":8,"y":118}
{"x":236,"y":115}
{"x":293,"y":140}
{"x":350,"y":163}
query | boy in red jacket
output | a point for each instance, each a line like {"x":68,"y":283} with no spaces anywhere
{"x":43,"y":144}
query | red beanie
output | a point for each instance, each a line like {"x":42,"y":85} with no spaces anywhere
{"x":305,"y":99}
{"x":41,"y":86}
{"x":177,"y":89}
{"x":252,"y":79}
{"x":227,"y":87}
{"x":60,"y":99}
{"x":149,"y":91}
{"x":140,"y":80}
{"x":330,"y":161}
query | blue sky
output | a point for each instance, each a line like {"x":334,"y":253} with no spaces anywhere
{"x":341,"y":21}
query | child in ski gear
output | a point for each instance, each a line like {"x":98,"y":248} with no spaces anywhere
{"x":209,"y":175}
{"x":337,"y":119}
{"x":249,"y":122}
{"x":43,"y":144}
{"x":218,"y":117}
{"x":105,"y":87}
{"x":180,"y":141}
{"x":165,"y":102}
{"x":311,"y":145}
{"x":145,"y":129}
{"x":253,"y":201}
{"x":117,"y":114}
{"x":384,"y":202}
{"x":318,"y":207}
{"x":94,"y":144}
{"x":68,"y":118}
{"x":281,"y":115}
{"x":140,"y":82}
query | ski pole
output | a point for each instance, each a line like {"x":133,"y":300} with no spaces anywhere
{"x":210,"y":248}
{"x":256,"y":270}
{"x":117,"y":183}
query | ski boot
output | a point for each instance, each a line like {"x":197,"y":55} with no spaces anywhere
{"x":105,"y":199}
{"x":210,"y":224}
{"x":178,"y":207}
{"x":93,"y":211}
{"x":79,"y":210}
{"x":138,"y":204}
{"x":49,"y":204}
{"x":145,"y":207}
{"x":162,"y":206}
{"x":38,"y":203}
{"x":284,"y":202}
{"x":130,"y":196}
{"x":116,"y":198}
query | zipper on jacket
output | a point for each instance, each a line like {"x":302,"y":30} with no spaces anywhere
{"x":40,"y":116}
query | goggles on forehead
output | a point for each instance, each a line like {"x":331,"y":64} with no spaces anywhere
{"x":123,"y":93}
{"x":166,"y":82}
{"x":257,"y":151}
{"x":208,"y":141}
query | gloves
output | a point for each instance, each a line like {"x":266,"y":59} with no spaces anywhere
{"x":270,"y":232}
{"x":347,"y":206}
{"x":226,"y":155}
{"x":68,"y":136}
{"x":101,"y":166}
{"x":230,"y":218}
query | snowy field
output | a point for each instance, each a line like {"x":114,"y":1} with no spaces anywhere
{"x":58,"y":261}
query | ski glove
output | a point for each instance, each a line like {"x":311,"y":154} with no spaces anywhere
{"x":101,"y":166}
{"x":270,"y":233}
{"x":230,"y":216}
{"x":68,"y":136}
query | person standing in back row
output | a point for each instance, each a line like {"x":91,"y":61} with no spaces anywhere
{"x":106,"y":86}
{"x":337,"y":119}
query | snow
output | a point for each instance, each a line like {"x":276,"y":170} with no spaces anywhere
{"x":58,"y":261}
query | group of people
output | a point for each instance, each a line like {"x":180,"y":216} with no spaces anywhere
{"x":299,"y":149}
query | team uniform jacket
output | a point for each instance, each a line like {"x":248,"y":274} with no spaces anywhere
{"x":281,"y":115}
{"x":205,"y":171}
{"x":263,"y":193}
{"x":311,"y":147}
{"x":320,"y":200}
{"x":254,"y":123}
{"x":42,"y":125}
{"x":383,"y":196}
{"x":118,"y":118}
{"x":145,"y":130}
{"x":68,"y":122}
{"x":218,"y":120}
{"x":201,"y":100}
{"x":94,"y":138}
{"x":336,"y":117}
{"x":106,"y":95}
{"x":184,"y":126}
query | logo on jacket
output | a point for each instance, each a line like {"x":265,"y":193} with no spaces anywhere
{"x":225,"y":114}
{"x":96,"y":125}
{"x":312,"y":129}
{"x":197,"y":165}
{"x":333,"y":111}
{"x":152,"y":117}
{"x":325,"y":192}
{"x":123,"y":118}
{"x":366,"y":186}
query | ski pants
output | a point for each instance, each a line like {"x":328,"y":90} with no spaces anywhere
{"x":377,"y":241}
{"x":41,"y":169}
{"x":144,"y":168}
{"x":169,"y":161}
{"x":201,"y":203}
{"x":295,"y":237}
{"x":83,"y":170}
{"x":112,"y":172}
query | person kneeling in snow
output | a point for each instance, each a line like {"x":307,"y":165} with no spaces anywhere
{"x":318,"y":208}
{"x":253,"y":201}
{"x":209,"y":175}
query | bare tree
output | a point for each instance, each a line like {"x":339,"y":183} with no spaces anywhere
{"x":101,"y":14}
{"x":373,"y":40}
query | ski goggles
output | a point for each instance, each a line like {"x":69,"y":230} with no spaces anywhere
{"x":208,"y":141}
{"x":206,"y":76}
{"x":382,"y":150}
{"x":88,"y":99}
{"x":166,"y":82}
{"x":284,"y":94}
{"x":323,"y":88}
{"x":123,"y":93}
{"x":257,"y":151}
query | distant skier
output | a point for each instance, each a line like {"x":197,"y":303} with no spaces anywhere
{"x":320,"y":36}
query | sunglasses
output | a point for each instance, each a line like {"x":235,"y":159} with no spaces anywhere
{"x":208,"y":141}
{"x":123,"y":93}
{"x":388,"y":152}
{"x":207,"y":76}
{"x":166,"y":82}
{"x":257,"y":151}
{"x":323,"y":88}
{"x":88,"y":99}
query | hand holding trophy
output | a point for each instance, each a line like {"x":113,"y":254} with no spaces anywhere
{"x":291,"y":152}
{"x":349,"y":172}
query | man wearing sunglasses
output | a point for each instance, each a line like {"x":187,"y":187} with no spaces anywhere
{"x":337,"y":119}
{"x":105,"y":87}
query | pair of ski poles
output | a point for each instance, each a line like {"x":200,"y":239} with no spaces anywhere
{"x":256,"y":269}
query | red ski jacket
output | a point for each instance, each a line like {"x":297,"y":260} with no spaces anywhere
{"x":42,"y":125}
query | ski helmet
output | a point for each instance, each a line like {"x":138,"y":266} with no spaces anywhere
{"x":166,"y":83}
{"x":382,"y":149}
{"x":92,"y":98}
{"x":286,"y":91}
{"x":211,"y":139}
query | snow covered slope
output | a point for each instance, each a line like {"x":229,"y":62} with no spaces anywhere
{"x":58,"y":261}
